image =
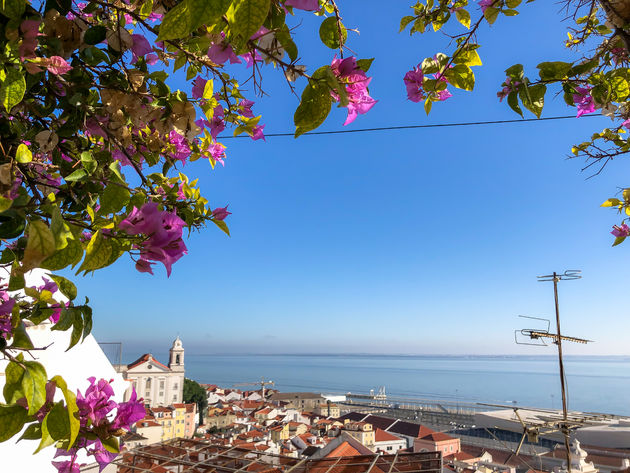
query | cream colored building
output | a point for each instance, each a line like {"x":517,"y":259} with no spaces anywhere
{"x":361,"y":431}
{"x":158,"y":384}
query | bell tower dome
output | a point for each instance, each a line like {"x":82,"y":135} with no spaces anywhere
{"x":176,"y":359}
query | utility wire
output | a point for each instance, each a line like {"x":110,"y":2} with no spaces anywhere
{"x":410,"y":127}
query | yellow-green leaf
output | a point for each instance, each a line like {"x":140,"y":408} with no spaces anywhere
{"x":23,"y":154}
{"x":40,"y":245}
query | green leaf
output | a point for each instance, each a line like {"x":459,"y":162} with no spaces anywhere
{"x":26,"y":379}
{"x":21,"y":338}
{"x":314,"y":106}
{"x":5,"y":204}
{"x":404,"y":21}
{"x":57,"y":422}
{"x":513,"y":3}
{"x":283,"y":35}
{"x":12,"y":419}
{"x":99,"y":253}
{"x":114,"y":199}
{"x":245,"y":17}
{"x":12,"y":88}
{"x":618,"y":240}
{"x":40,"y":245}
{"x":16,"y":281}
{"x":533,"y":97}
{"x":556,"y":70}
{"x":463,"y":17}
{"x":329,"y":33}
{"x":66,"y":286}
{"x":491,"y":14}
{"x":70,"y":255}
{"x":88,"y":162}
{"x":223,"y":226}
{"x":12,"y":9}
{"x":611,"y":203}
{"x":515,"y":72}
{"x":71,"y":407}
{"x":32,"y":432}
{"x":111,"y":444}
{"x":146,"y":9}
{"x":189,"y":15}
{"x":60,"y":229}
{"x":461,"y":76}
{"x":365,"y":64}
{"x":12,"y":224}
{"x":512,"y":101}
{"x":468,"y":57}
{"x":87,"y":320}
{"x":23,"y":155}
{"x":208,"y":90}
{"x":95,"y":35}
{"x":78,"y":175}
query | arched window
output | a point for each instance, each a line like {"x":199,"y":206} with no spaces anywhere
{"x":177,"y":359}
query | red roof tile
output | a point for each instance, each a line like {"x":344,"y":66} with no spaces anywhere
{"x":381,"y":436}
{"x":143,"y":359}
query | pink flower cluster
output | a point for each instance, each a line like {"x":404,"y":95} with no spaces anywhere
{"x":163,"y":231}
{"x":414,"y":83}
{"x":6,"y":307}
{"x":95,"y":408}
{"x":356,"y":82}
{"x":508,"y":86}
{"x":621,"y":231}
{"x":583,"y":101}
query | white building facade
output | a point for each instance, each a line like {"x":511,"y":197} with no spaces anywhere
{"x":158,"y":384}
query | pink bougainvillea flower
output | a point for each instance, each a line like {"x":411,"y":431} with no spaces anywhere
{"x":129,"y":412}
{"x":257,"y":133}
{"x":56,"y":64}
{"x":356,"y":82}
{"x":221,"y":53}
{"x":217,"y":125}
{"x":6,"y":307}
{"x":163,"y":230}
{"x":583,"y":101}
{"x":151,"y":59}
{"x":626,"y":124}
{"x":413,"y":82}
{"x":251,"y":58}
{"x":144,"y":266}
{"x":217,"y":152}
{"x":96,"y":404}
{"x":180,"y":145}
{"x":140,"y":47}
{"x":30,"y":32}
{"x":68,"y":467}
{"x":485,"y":4}
{"x":621,"y":231}
{"x":443,"y":95}
{"x":199,"y":85}
{"x":307,"y":5}
{"x":220,"y":213}
{"x":246,"y":108}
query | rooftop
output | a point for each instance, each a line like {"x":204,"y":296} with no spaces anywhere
{"x":204,"y":457}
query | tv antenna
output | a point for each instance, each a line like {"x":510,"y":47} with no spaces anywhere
{"x":539,"y":337}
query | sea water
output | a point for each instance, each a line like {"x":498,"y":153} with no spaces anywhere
{"x":595,"y":384}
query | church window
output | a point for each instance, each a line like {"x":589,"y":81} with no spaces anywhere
{"x":148,"y":383}
{"x":177,"y":359}
{"x":161,"y":384}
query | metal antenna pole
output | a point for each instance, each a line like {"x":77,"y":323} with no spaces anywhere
{"x":565,"y":430}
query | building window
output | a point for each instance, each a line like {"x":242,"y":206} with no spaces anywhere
{"x":177,"y":359}
{"x":161,"y":384}
{"x":175,"y":386}
{"x":161,"y":393}
{"x":148,"y":383}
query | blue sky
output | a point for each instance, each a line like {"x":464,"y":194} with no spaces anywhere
{"x":416,"y":241}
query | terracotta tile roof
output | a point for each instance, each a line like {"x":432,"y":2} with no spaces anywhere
{"x":460,"y":456}
{"x":161,"y":409}
{"x":143,"y":359}
{"x":437,"y":437}
{"x":381,"y":436}
{"x":147,"y":423}
{"x":344,"y":450}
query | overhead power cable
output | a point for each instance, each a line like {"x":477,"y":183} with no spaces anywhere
{"x":410,"y":127}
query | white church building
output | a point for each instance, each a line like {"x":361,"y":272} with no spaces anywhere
{"x":158,"y":384}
